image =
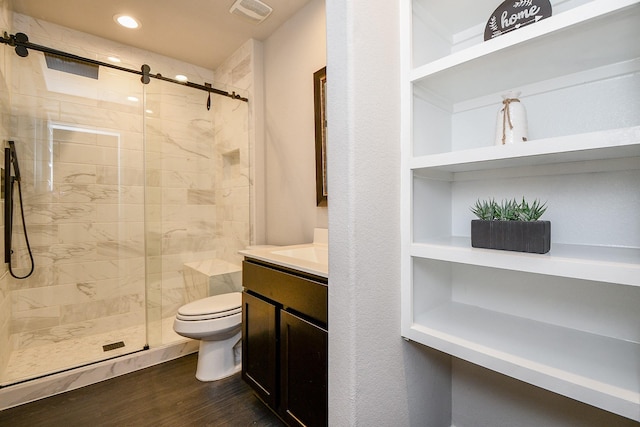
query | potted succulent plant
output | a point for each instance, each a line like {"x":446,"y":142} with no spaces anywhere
{"x":510,"y":226}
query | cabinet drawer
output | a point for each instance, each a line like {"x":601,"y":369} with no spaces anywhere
{"x":301,"y":294}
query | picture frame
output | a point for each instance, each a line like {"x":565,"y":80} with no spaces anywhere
{"x":320,"y":110}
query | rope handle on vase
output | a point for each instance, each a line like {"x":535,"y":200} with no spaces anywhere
{"x":506,"y":116}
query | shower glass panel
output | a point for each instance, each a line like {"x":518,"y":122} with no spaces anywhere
{"x":80,"y":145}
{"x":197,"y":199}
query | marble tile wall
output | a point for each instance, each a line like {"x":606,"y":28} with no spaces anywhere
{"x":5,"y":113}
{"x":91,"y":157}
{"x":232,"y":170}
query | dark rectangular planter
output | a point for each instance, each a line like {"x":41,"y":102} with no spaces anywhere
{"x":520,"y":236}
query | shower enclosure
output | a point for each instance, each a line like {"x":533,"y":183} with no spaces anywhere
{"x":123,"y":183}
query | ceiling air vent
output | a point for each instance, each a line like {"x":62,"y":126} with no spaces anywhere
{"x":253,"y":10}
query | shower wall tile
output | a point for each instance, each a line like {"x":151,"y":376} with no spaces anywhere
{"x":60,"y":254}
{"x":62,"y":135}
{"x":86,"y":154}
{"x":123,"y":212}
{"x":38,"y":318}
{"x":35,"y":299}
{"x":181,"y":179}
{"x":174,"y":196}
{"x":179,"y":245}
{"x":75,"y":173}
{"x":38,"y":108}
{"x":99,"y":118}
{"x":84,"y":232}
{"x":88,"y":271}
{"x":119,"y":175}
{"x":130,"y":158}
{"x":49,"y":213}
{"x":191,"y":162}
{"x":173,"y":279}
{"x":173,"y":264}
{"x":72,"y":313}
{"x":234,"y":196}
{"x":132,"y":141}
{"x":121,"y":249}
{"x":100,"y":194}
{"x":42,"y":276}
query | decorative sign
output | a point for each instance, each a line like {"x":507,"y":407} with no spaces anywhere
{"x":514,"y":14}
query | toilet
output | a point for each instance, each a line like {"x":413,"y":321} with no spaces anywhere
{"x":217,"y":322}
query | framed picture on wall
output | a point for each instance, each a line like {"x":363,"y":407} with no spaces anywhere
{"x":320,"y":109}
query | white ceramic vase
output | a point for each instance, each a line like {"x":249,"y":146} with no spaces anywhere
{"x":511,"y":122}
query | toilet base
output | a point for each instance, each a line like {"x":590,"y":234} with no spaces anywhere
{"x":217,"y":359}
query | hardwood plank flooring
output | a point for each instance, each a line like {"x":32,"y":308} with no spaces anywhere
{"x":163,"y":395}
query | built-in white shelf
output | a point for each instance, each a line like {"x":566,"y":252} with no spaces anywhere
{"x":585,"y":37}
{"x":612,"y":144}
{"x":600,"y":263}
{"x":565,"y":321}
{"x":595,"y":369}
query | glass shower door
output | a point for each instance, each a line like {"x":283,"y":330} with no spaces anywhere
{"x":197,"y":198}
{"x":79,"y":141}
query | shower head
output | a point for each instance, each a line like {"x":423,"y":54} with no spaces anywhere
{"x":14,"y":160}
{"x":70,"y":65}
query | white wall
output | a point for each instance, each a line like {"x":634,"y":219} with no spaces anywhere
{"x":375,"y":378}
{"x":291,"y":55}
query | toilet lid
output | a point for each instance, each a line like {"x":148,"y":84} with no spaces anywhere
{"x":212,"y":307}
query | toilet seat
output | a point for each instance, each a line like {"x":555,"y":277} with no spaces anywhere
{"x":214,"y":307}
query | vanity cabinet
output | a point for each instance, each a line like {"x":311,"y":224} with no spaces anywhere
{"x":567,"y":321}
{"x":285,"y":341}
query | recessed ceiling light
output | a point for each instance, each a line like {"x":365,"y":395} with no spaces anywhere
{"x":132,"y":98}
{"x":114,"y":59}
{"x":127,"y":21}
{"x":181,"y":78}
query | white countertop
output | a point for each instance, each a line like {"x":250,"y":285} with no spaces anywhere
{"x":312,"y":258}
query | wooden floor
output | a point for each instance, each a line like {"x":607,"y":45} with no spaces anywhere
{"x":163,"y":395}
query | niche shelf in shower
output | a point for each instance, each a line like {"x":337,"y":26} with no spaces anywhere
{"x":231,"y":164}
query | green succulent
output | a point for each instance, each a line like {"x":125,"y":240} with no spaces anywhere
{"x":484,"y":209}
{"x":533,"y":212}
{"x":508,"y":210}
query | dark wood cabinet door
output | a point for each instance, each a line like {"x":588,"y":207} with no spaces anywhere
{"x":259,"y":347}
{"x":303,"y":371}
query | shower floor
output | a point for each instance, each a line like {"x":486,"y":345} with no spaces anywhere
{"x":34,"y":362}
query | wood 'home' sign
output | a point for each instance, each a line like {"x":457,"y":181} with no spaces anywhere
{"x":514,"y":14}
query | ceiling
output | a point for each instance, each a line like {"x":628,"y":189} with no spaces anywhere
{"x":201,"y":32}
